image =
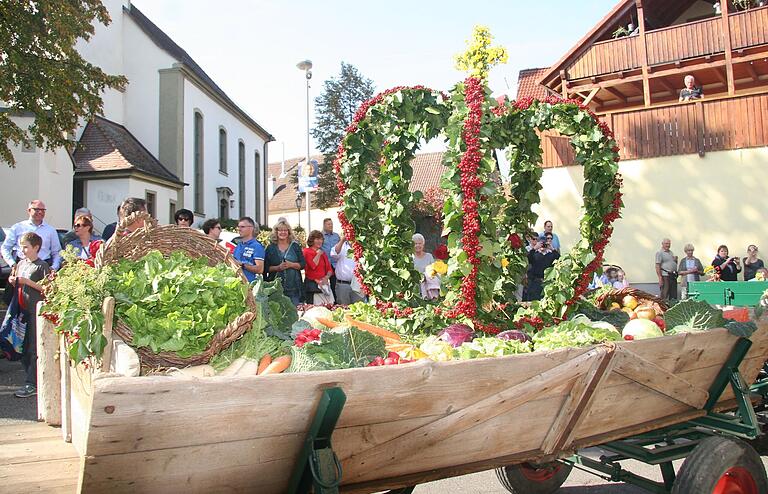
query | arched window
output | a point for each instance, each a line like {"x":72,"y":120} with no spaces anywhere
{"x":197,"y":183}
{"x":222,"y":150}
{"x":241,"y":176}
{"x":223,"y":209}
{"x":258,"y":192}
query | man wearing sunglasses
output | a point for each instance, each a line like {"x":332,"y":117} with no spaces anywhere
{"x":51,"y":247}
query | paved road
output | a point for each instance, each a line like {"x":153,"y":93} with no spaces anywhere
{"x":12,"y":409}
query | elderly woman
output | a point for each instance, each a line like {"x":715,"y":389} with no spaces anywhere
{"x":318,"y":270}
{"x":284,"y":259}
{"x":86,"y":244}
{"x":430,"y":286}
{"x":690,"y":269}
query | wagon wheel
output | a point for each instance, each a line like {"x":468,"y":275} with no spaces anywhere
{"x":721,"y":465}
{"x":532,"y":478}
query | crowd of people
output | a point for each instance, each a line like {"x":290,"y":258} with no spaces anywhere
{"x":672,"y":271}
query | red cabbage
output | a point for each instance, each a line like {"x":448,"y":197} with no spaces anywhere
{"x":514,"y":334}
{"x":456,"y":334}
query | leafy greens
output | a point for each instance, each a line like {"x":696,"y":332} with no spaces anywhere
{"x":177,"y":303}
{"x":340,"y":348}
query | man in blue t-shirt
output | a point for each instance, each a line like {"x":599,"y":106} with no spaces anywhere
{"x":249,"y":252}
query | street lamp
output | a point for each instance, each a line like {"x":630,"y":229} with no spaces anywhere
{"x":298,"y":207}
{"x":306,"y":66}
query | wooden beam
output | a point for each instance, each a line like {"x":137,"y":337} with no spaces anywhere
{"x":643,"y":53}
{"x":666,"y":73}
{"x":752,"y":72}
{"x":665,"y":85}
{"x":720,"y":76}
{"x":564,"y":84}
{"x":616,"y":93}
{"x":591,"y":95}
{"x":727,"y":47}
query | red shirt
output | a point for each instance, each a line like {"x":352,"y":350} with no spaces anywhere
{"x":316,"y":271}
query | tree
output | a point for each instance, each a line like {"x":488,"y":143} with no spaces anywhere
{"x":42,"y":73}
{"x":335,"y":108}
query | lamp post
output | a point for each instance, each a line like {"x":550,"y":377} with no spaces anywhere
{"x":298,"y":207}
{"x":306,"y":66}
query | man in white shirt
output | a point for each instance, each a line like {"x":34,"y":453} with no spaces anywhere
{"x":345,"y":274}
{"x":51,"y":248}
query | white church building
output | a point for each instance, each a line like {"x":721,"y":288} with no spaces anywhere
{"x":172,"y":137}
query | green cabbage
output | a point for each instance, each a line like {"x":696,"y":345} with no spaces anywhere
{"x":490,"y":346}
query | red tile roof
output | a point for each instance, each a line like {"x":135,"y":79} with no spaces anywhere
{"x":528,"y":86}
{"x":107,"y":146}
{"x":427,"y":169}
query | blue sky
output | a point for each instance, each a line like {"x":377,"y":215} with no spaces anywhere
{"x":251,"y":48}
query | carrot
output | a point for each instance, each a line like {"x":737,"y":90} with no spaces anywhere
{"x":327,"y":322}
{"x":263,"y":363}
{"x":389,"y":336}
{"x":277,"y":366}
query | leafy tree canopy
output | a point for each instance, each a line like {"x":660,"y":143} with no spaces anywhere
{"x":42,"y":73}
{"x":335,"y":108}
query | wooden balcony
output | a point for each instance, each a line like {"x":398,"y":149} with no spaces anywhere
{"x":671,"y":44}
{"x":680,"y":128}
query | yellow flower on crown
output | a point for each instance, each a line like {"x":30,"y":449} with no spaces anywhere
{"x":436,"y":268}
{"x":480,"y":56}
{"x":504,"y":262}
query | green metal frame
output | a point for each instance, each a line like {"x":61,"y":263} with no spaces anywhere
{"x":662,"y":446}
{"x":317,"y":466}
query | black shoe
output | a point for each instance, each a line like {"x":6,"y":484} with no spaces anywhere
{"x":25,"y":391}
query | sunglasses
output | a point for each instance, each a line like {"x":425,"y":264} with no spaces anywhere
{"x":82,"y":225}
{"x":37,"y":210}
{"x":188,"y":220}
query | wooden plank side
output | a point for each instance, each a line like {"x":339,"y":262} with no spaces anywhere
{"x":48,"y":371}
{"x":416,"y":441}
{"x":649,"y":374}
{"x":695,"y":358}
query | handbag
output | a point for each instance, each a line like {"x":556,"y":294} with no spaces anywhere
{"x":13,"y":330}
{"x":311,"y":286}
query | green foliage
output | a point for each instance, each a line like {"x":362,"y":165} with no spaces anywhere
{"x":575,"y":333}
{"x":490,"y":347}
{"x":379,"y":203}
{"x":75,"y":296}
{"x":175,"y":304}
{"x":335,"y":108}
{"x":695,"y":314}
{"x":277,"y":311}
{"x":340,"y":348}
{"x":42,"y":73}
{"x":616,"y":317}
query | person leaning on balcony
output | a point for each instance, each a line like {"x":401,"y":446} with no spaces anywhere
{"x":690,"y":91}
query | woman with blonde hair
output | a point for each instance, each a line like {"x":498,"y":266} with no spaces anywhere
{"x":284,"y":259}
{"x":689,"y":269}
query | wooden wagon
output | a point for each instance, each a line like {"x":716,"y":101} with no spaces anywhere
{"x":401,"y":425}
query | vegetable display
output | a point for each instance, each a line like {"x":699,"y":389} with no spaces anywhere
{"x":175,"y":304}
{"x":340,"y":348}
{"x":577,"y":332}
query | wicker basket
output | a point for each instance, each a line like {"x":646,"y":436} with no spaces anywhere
{"x":604,"y":300}
{"x":166,"y":239}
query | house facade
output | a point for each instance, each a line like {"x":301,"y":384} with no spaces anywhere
{"x":173,"y":136}
{"x":38,"y":174}
{"x":691,"y":169}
